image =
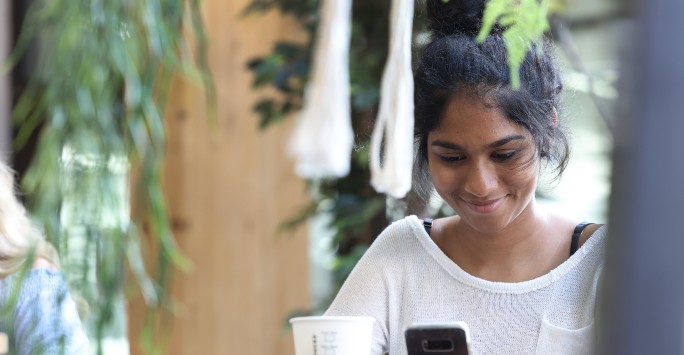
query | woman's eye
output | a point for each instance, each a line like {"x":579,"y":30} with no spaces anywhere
{"x":503,"y":156}
{"x":451,"y":158}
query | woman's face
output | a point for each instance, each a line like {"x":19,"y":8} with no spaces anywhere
{"x":483,"y":165}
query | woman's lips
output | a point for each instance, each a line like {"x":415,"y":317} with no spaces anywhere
{"x":487,"y":206}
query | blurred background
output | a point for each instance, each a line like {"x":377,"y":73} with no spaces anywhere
{"x":150,"y":136}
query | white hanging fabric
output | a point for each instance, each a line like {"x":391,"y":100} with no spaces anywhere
{"x":391,"y":173}
{"x":323,"y":138}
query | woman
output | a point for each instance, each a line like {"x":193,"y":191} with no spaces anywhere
{"x":524,"y":279}
{"x":36,"y":312}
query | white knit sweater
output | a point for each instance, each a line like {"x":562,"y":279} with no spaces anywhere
{"x":404,"y":278}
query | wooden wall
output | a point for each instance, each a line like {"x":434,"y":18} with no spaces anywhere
{"x":228,"y":192}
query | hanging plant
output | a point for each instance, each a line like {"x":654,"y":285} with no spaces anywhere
{"x":96,"y":100}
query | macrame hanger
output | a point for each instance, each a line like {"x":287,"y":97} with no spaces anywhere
{"x":322,"y":141}
{"x":391,"y":173}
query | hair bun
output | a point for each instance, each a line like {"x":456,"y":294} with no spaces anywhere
{"x":447,"y":17}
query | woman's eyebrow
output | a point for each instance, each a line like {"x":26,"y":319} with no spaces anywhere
{"x":505,"y":140}
{"x":496,"y":144}
{"x":447,"y":145}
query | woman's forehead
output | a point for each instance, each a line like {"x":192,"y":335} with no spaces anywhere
{"x":471,"y":117}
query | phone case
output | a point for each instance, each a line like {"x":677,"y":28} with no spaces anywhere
{"x":437,"y":339}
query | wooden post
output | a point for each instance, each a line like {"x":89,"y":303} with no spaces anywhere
{"x":229,"y":190}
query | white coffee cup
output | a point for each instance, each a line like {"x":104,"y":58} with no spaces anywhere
{"x":328,"y":335}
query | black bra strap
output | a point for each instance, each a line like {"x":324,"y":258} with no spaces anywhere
{"x":427,"y":223}
{"x":574,"y":244}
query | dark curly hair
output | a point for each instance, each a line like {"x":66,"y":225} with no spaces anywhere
{"x":453,"y":62}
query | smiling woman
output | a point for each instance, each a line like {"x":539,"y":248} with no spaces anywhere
{"x":482,"y":164}
{"x":503,"y":264}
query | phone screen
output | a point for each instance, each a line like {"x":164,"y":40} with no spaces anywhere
{"x":447,"y":339}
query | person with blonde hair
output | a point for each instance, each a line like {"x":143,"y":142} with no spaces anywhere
{"x":37,"y":314}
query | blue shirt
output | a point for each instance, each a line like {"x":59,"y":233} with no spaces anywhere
{"x":45,"y":319}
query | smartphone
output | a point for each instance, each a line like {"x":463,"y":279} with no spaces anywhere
{"x":437,"y":339}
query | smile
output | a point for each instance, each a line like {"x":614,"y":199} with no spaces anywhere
{"x":487,"y":206}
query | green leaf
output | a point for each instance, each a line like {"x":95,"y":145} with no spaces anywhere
{"x":267,"y":109}
{"x":524,"y":21}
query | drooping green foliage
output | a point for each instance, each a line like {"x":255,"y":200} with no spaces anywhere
{"x":96,"y":100}
{"x":525,"y":22}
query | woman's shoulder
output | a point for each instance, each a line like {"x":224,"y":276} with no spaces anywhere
{"x":574,"y":229}
{"x":34,"y":281}
{"x":45,"y":297}
{"x":401,"y":237}
{"x":405,"y":229}
{"x":594,"y":237}
{"x":45,"y":274}
{"x":42,"y":263}
{"x":597,"y":230}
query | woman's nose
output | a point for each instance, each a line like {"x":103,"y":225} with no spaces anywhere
{"x":481,"y":180}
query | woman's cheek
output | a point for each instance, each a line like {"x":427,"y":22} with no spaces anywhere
{"x":525,"y":179}
{"x":444,"y":180}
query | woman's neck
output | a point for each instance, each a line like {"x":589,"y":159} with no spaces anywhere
{"x":527,"y":248}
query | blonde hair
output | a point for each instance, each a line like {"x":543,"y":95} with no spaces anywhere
{"x":21,"y":241}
